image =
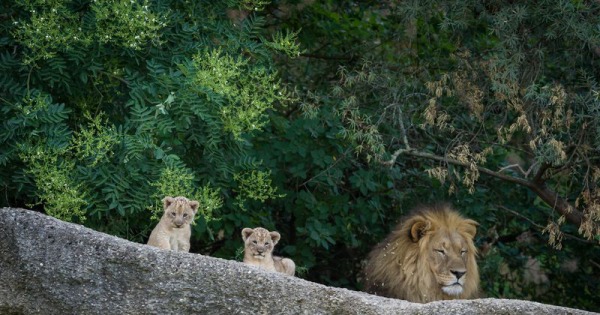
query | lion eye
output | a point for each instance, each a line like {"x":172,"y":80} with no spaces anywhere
{"x":441,"y":251}
{"x":462,"y":252}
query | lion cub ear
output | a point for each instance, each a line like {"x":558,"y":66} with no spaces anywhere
{"x":246,"y":232}
{"x":167,"y":201}
{"x":418,"y":229}
{"x":194,"y":205}
{"x":275,"y":236}
{"x":470,"y":227}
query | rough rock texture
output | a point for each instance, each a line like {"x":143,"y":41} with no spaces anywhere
{"x":51,"y":267}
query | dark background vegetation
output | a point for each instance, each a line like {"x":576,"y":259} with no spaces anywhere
{"x":324,"y":120}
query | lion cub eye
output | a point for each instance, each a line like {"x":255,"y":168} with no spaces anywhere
{"x":173,"y":214}
{"x":185,"y":215}
{"x":267,"y":244}
{"x":255,"y":242}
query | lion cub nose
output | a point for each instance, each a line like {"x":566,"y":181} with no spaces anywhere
{"x":458,"y":274}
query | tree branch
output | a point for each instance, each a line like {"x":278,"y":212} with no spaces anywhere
{"x":448,"y":160}
{"x":552,"y":198}
{"x":538,"y":178}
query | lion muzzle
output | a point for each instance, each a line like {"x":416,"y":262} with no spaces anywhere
{"x":454,"y":289}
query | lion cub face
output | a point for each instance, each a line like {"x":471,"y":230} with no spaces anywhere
{"x":179,"y":211}
{"x":259,"y":242}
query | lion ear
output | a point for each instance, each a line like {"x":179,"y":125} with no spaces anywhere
{"x":275,"y":236}
{"x":246,"y":232}
{"x":167,"y":201}
{"x":418,"y":229}
{"x":194,"y":205}
{"x":470,"y":227}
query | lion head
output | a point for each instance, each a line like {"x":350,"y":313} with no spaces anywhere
{"x":179,"y":211}
{"x":429,"y":256}
{"x":259,"y":242}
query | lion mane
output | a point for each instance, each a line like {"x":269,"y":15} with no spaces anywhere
{"x":429,"y":256}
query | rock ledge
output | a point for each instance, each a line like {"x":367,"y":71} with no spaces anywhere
{"x":52,"y":267}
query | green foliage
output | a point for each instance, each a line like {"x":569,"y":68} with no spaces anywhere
{"x":127,"y":23}
{"x":256,"y":5}
{"x":254,"y":185}
{"x":61,"y":195}
{"x":285,"y":43}
{"x":244,"y":91}
{"x":180,"y":182}
{"x":148,"y":103}
{"x":51,"y":28}
{"x":95,"y":143}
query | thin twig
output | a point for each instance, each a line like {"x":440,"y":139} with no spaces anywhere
{"x":115,"y":77}
{"x":525,"y":173}
{"x":326,"y":170}
{"x":325,"y":57}
{"x":517,"y":166}
{"x":402,"y":129}
{"x":28,"y":80}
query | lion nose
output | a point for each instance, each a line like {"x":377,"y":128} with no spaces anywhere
{"x":458,"y":274}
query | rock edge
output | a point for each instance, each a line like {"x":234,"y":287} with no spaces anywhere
{"x":48,"y":266}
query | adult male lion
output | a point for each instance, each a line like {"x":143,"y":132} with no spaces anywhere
{"x":429,"y":256}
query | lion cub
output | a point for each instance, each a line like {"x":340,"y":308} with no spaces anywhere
{"x":173,"y":231}
{"x":258,"y":251}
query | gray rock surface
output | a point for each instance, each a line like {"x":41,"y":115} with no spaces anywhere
{"x":51,"y":267}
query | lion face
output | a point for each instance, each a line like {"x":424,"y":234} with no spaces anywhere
{"x":179,"y":211}
{"x":448,"y":253}
{"x":259,"y":242}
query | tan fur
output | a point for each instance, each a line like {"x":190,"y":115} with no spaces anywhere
{"x":258,"y":251}
{"x":173,"y":231}
{"x":422,"y":259}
